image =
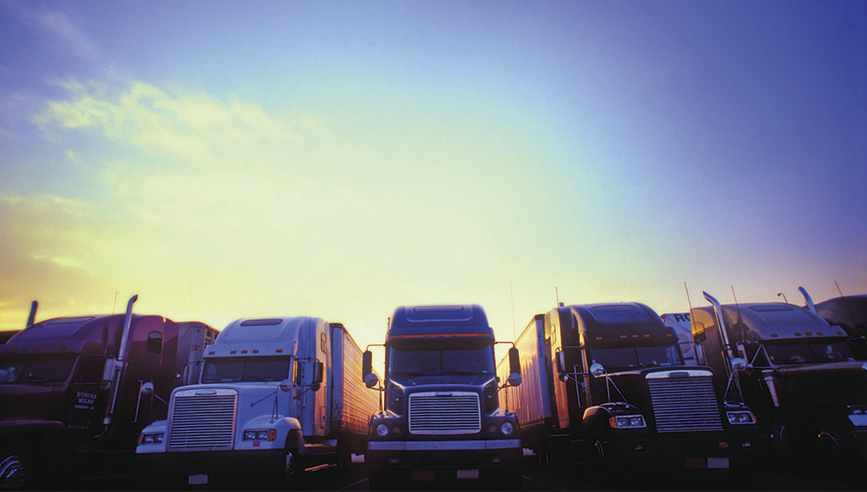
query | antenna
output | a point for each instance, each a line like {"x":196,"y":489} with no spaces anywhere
{"x":114,"y":306}
{"x":192,"y":308}
{"x":689,"y":303}
{"x":740,"y":320}
{"x":557,"y":295}
{"x":367,"y":316}
{"x":838,"y":288}
{"x":512,"y":295}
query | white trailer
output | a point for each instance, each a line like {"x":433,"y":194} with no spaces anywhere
{"x":277,"y":397}
{"x":683,"y":328}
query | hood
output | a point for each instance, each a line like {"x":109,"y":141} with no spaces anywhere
{"x":844,"y":382}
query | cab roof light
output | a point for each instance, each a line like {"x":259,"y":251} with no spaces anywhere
{"x":444,"y":335}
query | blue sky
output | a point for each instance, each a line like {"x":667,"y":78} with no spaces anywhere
{"x":226,"y":159}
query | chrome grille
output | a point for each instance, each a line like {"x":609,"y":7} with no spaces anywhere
{"x":444,"y":413}
{"x":685,"y":404}
{"x":202,"y":420}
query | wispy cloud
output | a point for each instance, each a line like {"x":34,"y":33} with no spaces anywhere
{"x":193,"y":127}
{"x":59,"y":28}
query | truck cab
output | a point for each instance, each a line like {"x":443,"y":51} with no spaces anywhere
{"x":849,"y":313}
{"x":270,"y":405}
{"x":800,"y":374}
{"x":441,"y":419}
{"x":76,"y":391}
{"x":623,"y":392}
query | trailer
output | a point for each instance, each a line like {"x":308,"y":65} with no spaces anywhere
{"x":277,"y":398}
{"x":442,"y":422}
{"x":605,"y":384}
{"x":796,"y":371}
{"x":76,"y":391}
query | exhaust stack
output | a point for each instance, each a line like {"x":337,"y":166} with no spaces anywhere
{"x":808,"y":300}
{"x":32,"y":318}
{"x":119,"y":364}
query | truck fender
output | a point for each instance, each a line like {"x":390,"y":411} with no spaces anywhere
{"x":155,"y":426}
{"x":595,"y":420}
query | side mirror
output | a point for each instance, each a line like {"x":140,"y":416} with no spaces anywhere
{"x":561,"y":362}
{"x":147,"y":389}
{"x":597,"y":369}
{"x":286,"y":385}
{"x":514,"y":367}
{"x":369,"y":378}
{"x":318,"y":372}
{"x":366,"y":363}
{"x":739,"y":364}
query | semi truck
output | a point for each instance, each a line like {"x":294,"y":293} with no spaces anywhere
{"x":76,"y":391}
{"x":441,"y":420}
{"x":797,"y":372}
{"x":849,"y":313}
{"x":277,"y":398}
{"x":606,"y":385}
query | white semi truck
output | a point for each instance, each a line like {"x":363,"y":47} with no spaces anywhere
{"x":277,"y":397}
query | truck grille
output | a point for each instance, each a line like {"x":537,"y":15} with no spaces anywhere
{"x":202,"y":420}
{"x":685,"y":404}
{"x":444,"y":413}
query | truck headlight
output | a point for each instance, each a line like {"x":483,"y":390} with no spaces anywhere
{"x":150,"y":438}
{"x":740,"y":417}
{"x":507,"y":428}
{"x":260,"y":435}
{"x":381,"y":430}
{"x":627,"y":422}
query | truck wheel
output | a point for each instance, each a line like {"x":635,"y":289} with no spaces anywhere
{"x":597,"y":463}
{"x":380,"y":481}
{"x":290,"y":470}
{"x":13,"y":471}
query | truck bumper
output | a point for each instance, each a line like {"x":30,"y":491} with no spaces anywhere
{"x":426,"y":461}
{"x":170,"y":470}
{"x":692,"y":450}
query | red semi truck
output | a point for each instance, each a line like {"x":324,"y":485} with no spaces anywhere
{"x":76,"y":391}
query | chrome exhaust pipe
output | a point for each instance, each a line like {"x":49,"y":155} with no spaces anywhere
{"x":32,"y":318}
{"x":729,"y":354}
{"x":119,"y":364}
{"x":807,"y":300}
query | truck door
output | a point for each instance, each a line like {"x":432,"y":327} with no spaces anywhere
{"x":323,"y":351}
{"x":85,"y":406}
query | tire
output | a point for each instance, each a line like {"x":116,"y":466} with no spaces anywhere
{"x":15,"y":471}
{"x":380,"y":482}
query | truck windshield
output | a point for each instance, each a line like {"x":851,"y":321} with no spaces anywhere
{"x":417,"y":360}
{"x":234,"y":369}
{"x":800,"y":353}
{"x":32,"y":370}
{"x":624,"y":358}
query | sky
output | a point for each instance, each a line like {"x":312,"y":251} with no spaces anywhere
{"x":225,"y":160}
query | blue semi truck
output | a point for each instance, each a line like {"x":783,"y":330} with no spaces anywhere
{"x":441,"y":420}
